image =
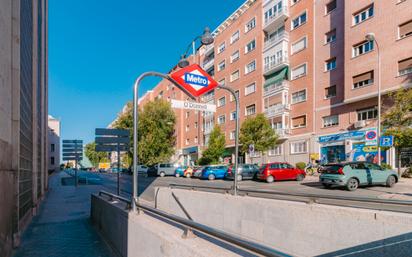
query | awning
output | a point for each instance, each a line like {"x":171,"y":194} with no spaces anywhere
{"x":276,"y":77}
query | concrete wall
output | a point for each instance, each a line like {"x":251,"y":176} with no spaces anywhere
{"x":295,"y":228}
{"x":133,"y":235}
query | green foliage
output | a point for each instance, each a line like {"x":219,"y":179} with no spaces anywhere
{"x":300,"y":165}
{"x":95,"y":157}
{"x":155,"y":132}
{"x":397,"y":120}
{"x":215,"y":148}
{"x":257,"y":131}
{"x":386,"y":166}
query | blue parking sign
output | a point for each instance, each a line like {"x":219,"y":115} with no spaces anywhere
{"x":386,"y":141}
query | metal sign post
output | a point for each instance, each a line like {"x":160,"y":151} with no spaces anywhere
{"x":113,"y":140}
{"x":73,"y":151}
{"x":197,"y":88}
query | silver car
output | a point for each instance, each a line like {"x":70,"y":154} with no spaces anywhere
{"x":166,"y":169}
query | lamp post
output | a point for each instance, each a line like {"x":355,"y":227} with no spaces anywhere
{"x":371,"y":37}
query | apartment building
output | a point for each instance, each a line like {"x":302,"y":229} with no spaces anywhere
{"x":53,"y":144}
{"x":23,"y":115}
{"x":307,"y":66}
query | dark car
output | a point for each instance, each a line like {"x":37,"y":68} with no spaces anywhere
{"x":152,"y":171}
{"x":244,"y":171}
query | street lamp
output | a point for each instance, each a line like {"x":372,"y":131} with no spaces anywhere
{"x":206,"y":39}
{"x":371,"y":37}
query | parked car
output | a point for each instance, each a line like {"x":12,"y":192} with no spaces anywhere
{"x":152,"y":171}
{"x":180,"y":171}
{"x":142,"y":169}
{"x":244,"y":171}
{"x":188,"y":173}
{"x":354,"y":174}
{"x":197,"y":171}
{"x":166,"y":169}
{"x":280,"y":171}
{"x":212,"y":172}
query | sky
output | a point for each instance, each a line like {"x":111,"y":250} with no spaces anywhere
{"x":98,"y":47}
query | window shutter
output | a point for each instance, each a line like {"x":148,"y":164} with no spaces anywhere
{"x":362,"y":77}
{"x":405,"y":64}
{"x":405,"y":29}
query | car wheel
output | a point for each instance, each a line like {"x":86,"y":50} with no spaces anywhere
{"x":391,"y":181}
{"x":188,"y":175}
{"x":352,"y":184}
{"x":211,"y":177}
{"x":270,"y":179}
{"x":327,"y":186}
{"x":177,"y":175}
{"x":239,"y":177}
{"x":300,"y":177}
{"x":162,"y":174}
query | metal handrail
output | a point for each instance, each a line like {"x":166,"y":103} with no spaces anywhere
{"x":235,"y":240}
{"x":118,"y":197}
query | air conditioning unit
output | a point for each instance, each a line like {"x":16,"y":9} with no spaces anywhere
{"x":360,"y":124}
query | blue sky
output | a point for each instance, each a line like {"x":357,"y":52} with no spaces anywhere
{"x":98,"y":47}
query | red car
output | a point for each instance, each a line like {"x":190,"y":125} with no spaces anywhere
{"x":279,"y":171}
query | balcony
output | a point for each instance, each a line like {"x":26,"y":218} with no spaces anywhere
{"x":283,"y":133}
{"x":271,"y":22}
{"x":276,"y":64}
{"x":275,"y":88}
{"x":207,"y":63}
{"x":274,"y":40}
{"x":277,"y":110}
{"x":209,"y":49}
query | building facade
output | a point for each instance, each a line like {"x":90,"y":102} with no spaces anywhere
{"x":306,"y":65}
{"x":23,"y":115}
{"x":53,"y":144}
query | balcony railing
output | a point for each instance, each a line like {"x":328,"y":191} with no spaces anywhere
{"x":208,"y":62}
{"x":277,"y":110}
{"x":209,"y":48}
{"x":276,"y":62}
{"x":273,"y":40}
{"x":279,"y":13}
{"x":282,"y":133}
{"x":274,"y":88}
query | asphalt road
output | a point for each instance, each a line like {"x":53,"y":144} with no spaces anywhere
{"x":401,"y":191}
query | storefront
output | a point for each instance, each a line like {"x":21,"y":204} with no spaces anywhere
{"x":349,"y":146}
{"x":190,"y":155}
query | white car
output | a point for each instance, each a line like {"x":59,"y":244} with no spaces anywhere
{"x":142,"y":169}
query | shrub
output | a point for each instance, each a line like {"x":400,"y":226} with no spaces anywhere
{"x":386,"y":166}
{"x":301,"y":165}
{"x":407,"y":173}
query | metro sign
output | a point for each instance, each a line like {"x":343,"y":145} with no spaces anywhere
{"x":194,"y":79}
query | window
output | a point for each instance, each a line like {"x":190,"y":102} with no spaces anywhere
{"x":273,"y":11}
{"x":299,"y":96}
{"x":250,"y":67}
{"x":187,"y":114}
{"x":234,"y":37}
{"x":52,"y":160}
{"x":196,"y":140}
{"x":362,"y":48}
{"x":221,"y":65}
{"x":52,"y":146}
{"x":299,"y":122}
{"x":405,"y":66}
{"x":234,"y":76}
{"x":221,"y":101}
{"x":330,"y":64}
{"x":250,"y":46}
{"x":330,"y":6}
{"x":363,"y":80}
{"x":299,"y":45}
{"x":187,"y":127}
{"x":277,"y":150}
{"x":330,"y":92}
{"x":299,"y":71}
{"x":250,"y":25}
{"x":367,"y":114}
{"x":221,"y":48}
{"x":363,"y":15}
{"x":250,"y":110}
{"x":298,"y":21}
{"x":330,"y":36}
{"x":233,"y":115}
{"x":237,"y":94}
{"x":250,"y":89}
{"x":330,"y":121}
{"x":221,"y":119}
{"x":187,"y":141}
{"x":235,"y":56}
{"x":195,"y":124}
{"x":222,"y":82}
{"x":232,"y":135}
{"x":405,"y":29}
{"x":298,"y":147}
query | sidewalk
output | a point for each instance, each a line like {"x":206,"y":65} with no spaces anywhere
{"x":63,"y":227}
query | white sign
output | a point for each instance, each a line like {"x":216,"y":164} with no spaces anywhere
{"x":193,"y":106}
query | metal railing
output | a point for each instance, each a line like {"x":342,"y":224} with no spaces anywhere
{"x":219,"y":234}
{"x":273,"y":40}
{"x":277,"y":61}
{"x":277,"y":87}
{"x":277,"y":110}
{"x":277,"y":14}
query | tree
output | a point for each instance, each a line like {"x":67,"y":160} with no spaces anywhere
{"x":258,"y":132}
{"x":95,"y":157}
{"x":215,"y":147}
{"x":397,"y":120}
{"x":155,"y":132}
